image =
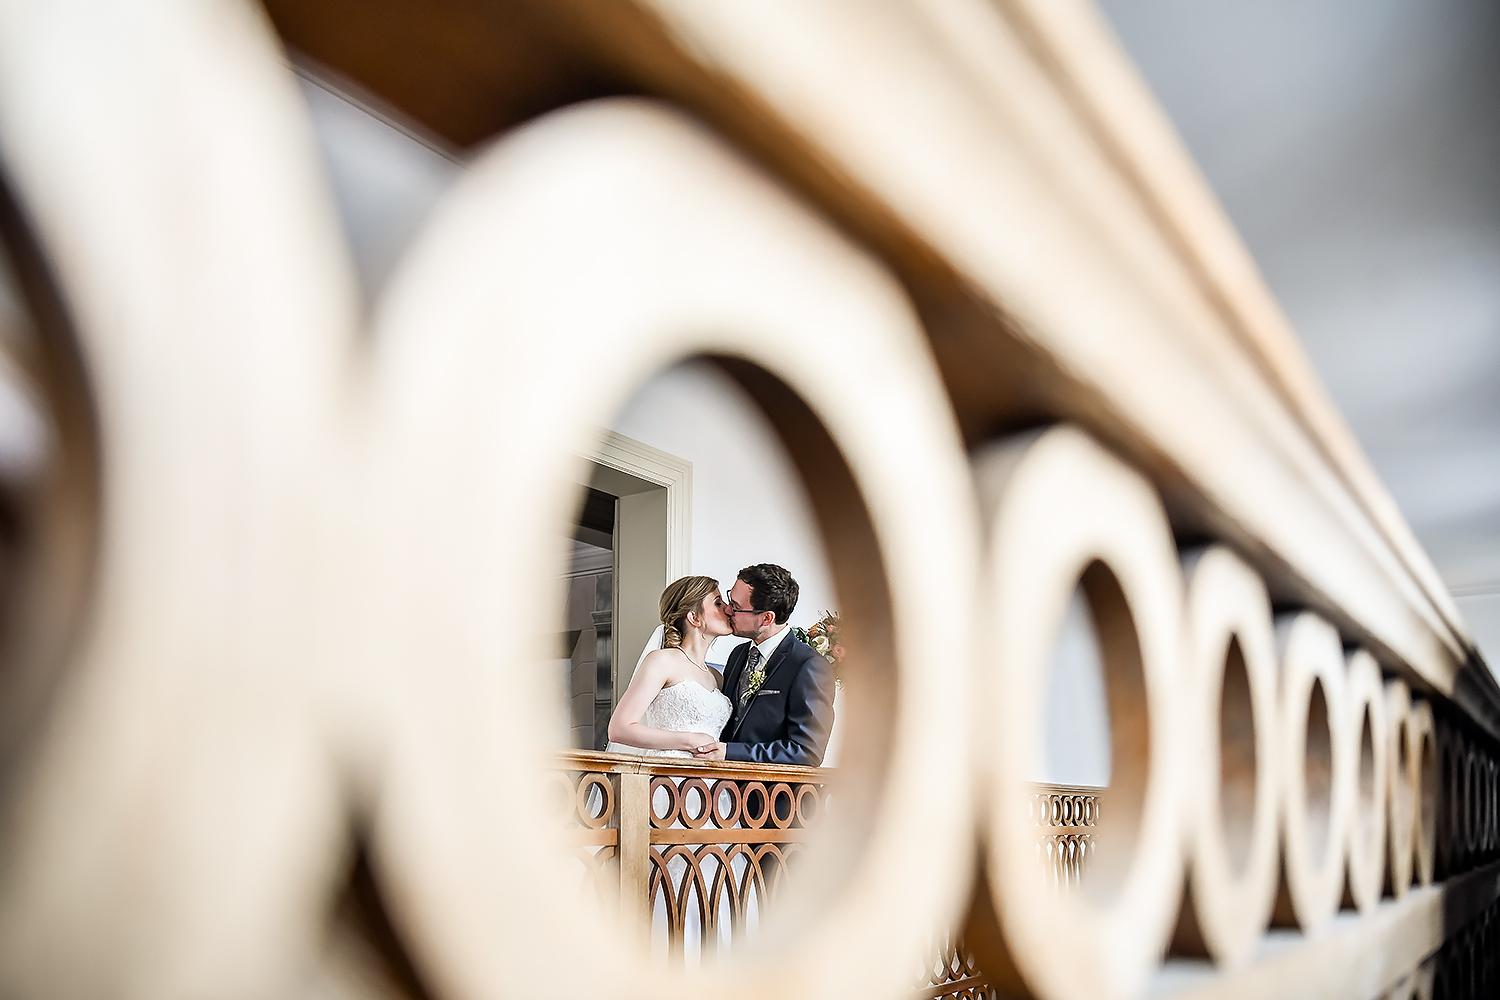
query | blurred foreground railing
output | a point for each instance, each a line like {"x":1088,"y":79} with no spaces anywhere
{"x":275,"y":548}
{"x":702,"y":848}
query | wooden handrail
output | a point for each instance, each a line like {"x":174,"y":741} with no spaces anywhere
{"x":619,"y":763}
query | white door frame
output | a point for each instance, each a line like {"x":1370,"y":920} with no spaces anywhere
{"x":635,"y":458}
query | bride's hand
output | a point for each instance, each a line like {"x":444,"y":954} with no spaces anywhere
{"x":713,"y":750}
{"x":692,"y":741}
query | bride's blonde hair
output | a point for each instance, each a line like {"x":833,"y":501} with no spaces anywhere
{"x":681,"y":598}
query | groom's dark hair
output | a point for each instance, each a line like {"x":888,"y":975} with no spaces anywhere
{"x":773,"y":589}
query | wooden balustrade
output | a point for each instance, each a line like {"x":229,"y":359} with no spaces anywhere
{"x":695,"y":848}
{"x":699,"y":846}
{"x":1066,"y":817}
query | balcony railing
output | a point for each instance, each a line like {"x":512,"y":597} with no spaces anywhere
{"x":270,"y":534}
{"x":700,"y":850}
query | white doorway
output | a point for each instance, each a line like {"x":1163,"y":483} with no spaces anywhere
{"x":630,"y":540}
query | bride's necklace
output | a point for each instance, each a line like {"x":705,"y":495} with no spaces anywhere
{"x":694,"y":662}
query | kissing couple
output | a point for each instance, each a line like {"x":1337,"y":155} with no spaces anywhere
{"x":772,"y":705}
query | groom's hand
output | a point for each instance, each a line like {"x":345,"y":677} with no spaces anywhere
{"x":710,"y":751}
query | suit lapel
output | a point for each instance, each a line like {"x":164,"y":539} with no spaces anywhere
{"x":778,"y":660}
{"x":734,"y":667}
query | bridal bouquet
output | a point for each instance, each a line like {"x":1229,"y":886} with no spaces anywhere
{"x":823,"y":636}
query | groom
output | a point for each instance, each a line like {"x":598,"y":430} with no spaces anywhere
{"x":782,"y":691}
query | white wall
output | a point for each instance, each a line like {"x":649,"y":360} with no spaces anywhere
{"x":748,"y":504}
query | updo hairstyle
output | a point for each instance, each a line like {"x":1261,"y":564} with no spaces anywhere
{"x":681,"y":598}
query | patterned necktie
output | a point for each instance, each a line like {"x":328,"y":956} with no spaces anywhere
{"x":755,"y":676}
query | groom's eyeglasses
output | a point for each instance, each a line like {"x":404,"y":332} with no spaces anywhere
{"x":735,"y":609}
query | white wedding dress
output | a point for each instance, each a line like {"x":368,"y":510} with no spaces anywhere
{"x":690,"y":708}
{"x":684,"y":707}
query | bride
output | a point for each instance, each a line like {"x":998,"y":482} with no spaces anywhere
{"x":673,"y":704}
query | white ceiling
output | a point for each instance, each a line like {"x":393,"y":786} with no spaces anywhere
{"x":1356,"y":146}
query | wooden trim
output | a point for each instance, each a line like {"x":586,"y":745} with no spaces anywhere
{"x":1055,"y":789}
{"x":635,"y":849}
{"x":1355,"y":957}
{"x":1489,"y":588}
{"x":616,"y":763}
{"x":594,"y":838}
{"x":622,"y":763}
{"x":715,"y":835}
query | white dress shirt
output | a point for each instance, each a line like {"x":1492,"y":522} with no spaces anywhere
{"x":768,"y":645}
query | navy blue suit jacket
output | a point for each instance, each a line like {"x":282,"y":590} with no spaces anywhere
{"x":788,"y":720}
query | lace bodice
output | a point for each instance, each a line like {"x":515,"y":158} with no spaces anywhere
{"x":684,"y":707}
